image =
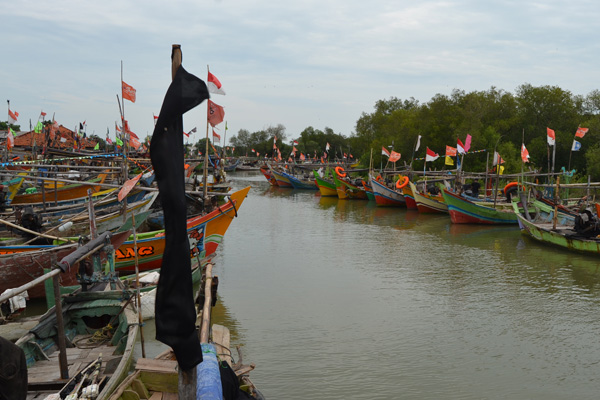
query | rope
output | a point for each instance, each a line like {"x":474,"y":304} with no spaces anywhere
{"x":96,"y":339}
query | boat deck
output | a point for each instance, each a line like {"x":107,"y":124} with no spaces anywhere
{"x":44,"y":377}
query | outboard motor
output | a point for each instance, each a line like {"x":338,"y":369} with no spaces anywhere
{"x":31,"y":220}
{"x":586,"y":224}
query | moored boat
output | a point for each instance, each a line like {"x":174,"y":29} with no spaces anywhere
{"x":464,"y":211}
{"x":429,"y":203}
{"x":326,"y":186}
{"x":385,"y":196}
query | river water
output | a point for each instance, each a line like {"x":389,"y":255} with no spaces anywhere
{"x":340,"y":299}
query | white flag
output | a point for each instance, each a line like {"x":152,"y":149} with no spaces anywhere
{"x":418,"y":143}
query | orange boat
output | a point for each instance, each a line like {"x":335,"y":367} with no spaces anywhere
{"x":71,"y":192}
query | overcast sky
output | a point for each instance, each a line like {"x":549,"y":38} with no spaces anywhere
{"x":296,"y":63}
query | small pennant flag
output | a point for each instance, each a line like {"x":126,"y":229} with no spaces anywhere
{"x":214,"y":85}
{"x":327,"y":147}
{"x":497,"y":159}
{"x":576,"y":146}
{"x":467,"y":143}
{"x":449,"y":160}
{"x":451,"y":151}
{"x":127,"y":186}
{"x":216,"y":135}
{"x":384,"y":151}
{"x":418,"y":143}
{"x":581,"y":132}
{"x":302,"y":157}
{"x":10,"y":138}
{"x":431,"y":155}
{"x":524,"y":153}
{"x":551,"y":137}
{"x":97,"y":146}
{"x":128,"y":92}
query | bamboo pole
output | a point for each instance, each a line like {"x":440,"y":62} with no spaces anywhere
{"x":205,"y":328}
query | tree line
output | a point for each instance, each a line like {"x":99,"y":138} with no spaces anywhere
{"x":495,"y":119}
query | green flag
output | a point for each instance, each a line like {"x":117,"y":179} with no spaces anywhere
{"x":119,"y":142}
{"x":38,"y":127}
{"x":97,"y":146}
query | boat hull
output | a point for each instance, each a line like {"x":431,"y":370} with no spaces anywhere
{"x":464,"y":211}
{"x":386,"y":197}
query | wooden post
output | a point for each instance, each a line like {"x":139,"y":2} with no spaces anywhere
{"x":556,"y":202}
{"x":62,"y":346}
{"x":205,"y":329}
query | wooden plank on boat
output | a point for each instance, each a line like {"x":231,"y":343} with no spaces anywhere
{"x":221,"y":340}
{"x":140,"y":389}
{"x":160,"y":381}
{"x":130,"y":395}
{"x":156,"y":396}
{"x":149,"y":364}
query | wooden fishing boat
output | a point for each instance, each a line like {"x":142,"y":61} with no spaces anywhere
{"x":20,"y":264}
{"x":205,"y":233}
{"x":346,"y":189}
{"x":427,"y":203}
{"x":385,"y":196}
{"x":411,"y":204}
{"x":69,"y":192}
{"x":282,"y":180}
{"x":464,"y":211}
{"x":301,"y":182}
{"x":99,"y":324}
{"x":269,"y":175}
{"x":369,"y":190}
{"x":326,"y":186}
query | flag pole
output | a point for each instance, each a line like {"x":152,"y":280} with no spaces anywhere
{"x":205,"y":172}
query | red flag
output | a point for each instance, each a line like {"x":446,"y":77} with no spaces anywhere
{"x":128,"y":92}
{"x":467,"y":143}
{"x":43,"y":114}
{"x":133,"y":142}
{"x":551,"y":136}
{"x":451,"y":151}
{"x":216,"y":135}
{"x":302,"y":157}
{"x":394,"y":156}
{"x":524,"y":153}
{"x":581,"y":132}
{"x":127,"y":186}
{"x":216,"y":113}
{"x":214,"y":86}
{"x":186,"y":134}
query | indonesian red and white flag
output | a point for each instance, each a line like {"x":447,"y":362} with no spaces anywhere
{"x":551,"y":136}
{"x":216,"y":113}
{"x":214,"y":85}
{"x":394,"y":156}
{"x":450,"y":151}
{"x":581,"y":132}
{"x":460,"y":147}
{"x":155,"y":119}
{"x":12,"y":117}
{"x":431,"y":155}
{"x":295,"y":142}
{"x":117,"y":129}
{"x":216,"y":135}
{"x":128,"y":92}
{"x":524,"y":153}
{"x":127,"y":186}
{"x":384,"y":151}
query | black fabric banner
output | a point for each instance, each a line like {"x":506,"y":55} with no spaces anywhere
{"x":175,"y":312}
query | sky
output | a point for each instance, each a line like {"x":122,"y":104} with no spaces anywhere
{"x":319,"y":64}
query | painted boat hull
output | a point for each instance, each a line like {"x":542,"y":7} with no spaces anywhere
{"x":326,"y":187}
{"x":269,"y":175}
{"x":65,"y":193}
{"x":463,"y":211}
{"x":386,"y":197}
{"x":429,"y":204}
{"x":298,"y":183}
{"x":282,"y":180}
{"x":411,"y":204}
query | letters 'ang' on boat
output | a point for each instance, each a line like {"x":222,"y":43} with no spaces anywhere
{"x":175,"y":312}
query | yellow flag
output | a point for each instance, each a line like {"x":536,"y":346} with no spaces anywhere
{"x":501,"y":171}
{"x":449,"y":160}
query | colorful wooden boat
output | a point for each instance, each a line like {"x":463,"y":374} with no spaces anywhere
{"x":282,"y":180}
{"x":369,"y":190}
{"x":427,"y":203}
{"x":205,"y":233}
{"x":385,"y":196}
{"x":326,"y":186}
{"x":66,"y":193}
{"x":346,"y":189}
{"x":464,"y":211}
{"x":411,"y":204}
{"x":301,"y":183}
{"x":269,"y":175}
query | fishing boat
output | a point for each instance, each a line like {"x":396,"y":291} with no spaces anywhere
{"x":282,"y":180}
{"x":326,"y":186}
{"x":302,"y":182}
{"x":580,"y":234}
{"x":346,"y":188}
{"x":205,"y":234}
{"x":407,"y":192}
{"x":71,"y":192}
{"x":269,"y":175}
{"x":99,"y":324}
{"x":428,"y":203}
{"x":385,"y":196}
{"x":465,"y":211}
{"x":369,"y":190}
